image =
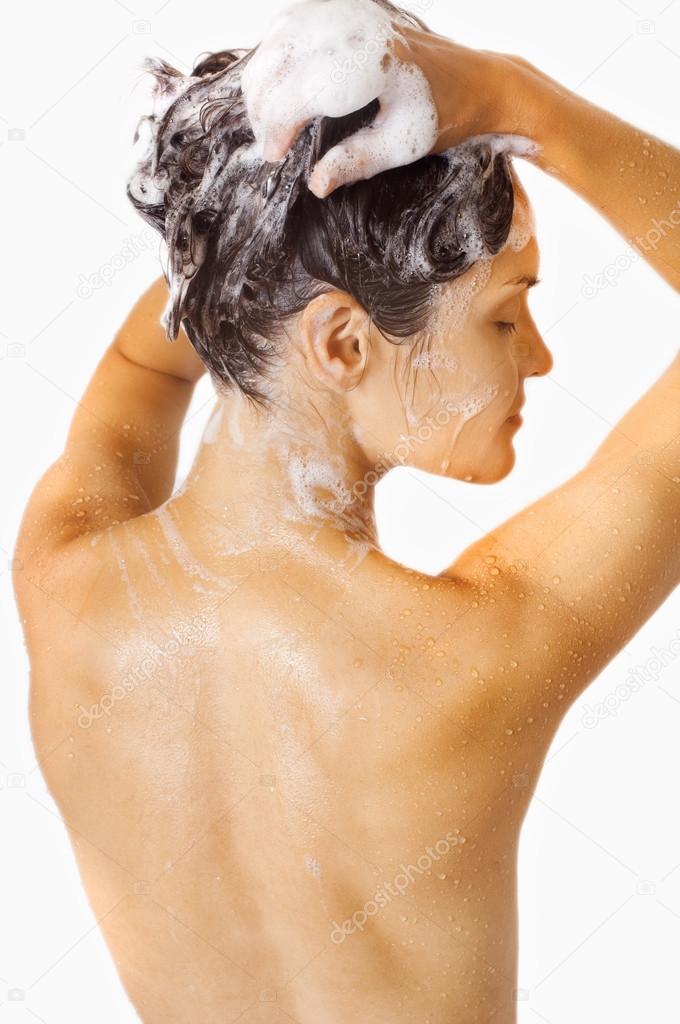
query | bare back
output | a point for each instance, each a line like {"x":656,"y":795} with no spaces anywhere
{"x":291,"y":788}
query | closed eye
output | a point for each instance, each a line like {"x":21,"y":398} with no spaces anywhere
{"x":505,"y":327}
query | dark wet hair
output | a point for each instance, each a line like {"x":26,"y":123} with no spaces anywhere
{"x":249,"y":245}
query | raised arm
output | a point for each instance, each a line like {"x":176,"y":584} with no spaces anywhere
{"x":120,"y":456}
{"x":577,"y":573}
{"x":574,"y":576}
{"x":626,"y":174}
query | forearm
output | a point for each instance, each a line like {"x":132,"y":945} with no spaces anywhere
{"x":142,"y":340}
{"x":126,"y":431}
{"x":629,"y":176}
{"x":145,"y":384}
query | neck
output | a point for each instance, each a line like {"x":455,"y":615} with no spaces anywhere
{"x":275,"y":472}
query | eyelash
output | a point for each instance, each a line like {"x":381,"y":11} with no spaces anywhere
{"x":505,"y":327}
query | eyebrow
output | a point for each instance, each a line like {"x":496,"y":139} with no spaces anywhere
{"x":526,"y":279}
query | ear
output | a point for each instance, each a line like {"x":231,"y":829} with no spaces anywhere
{"x":334,"y":332}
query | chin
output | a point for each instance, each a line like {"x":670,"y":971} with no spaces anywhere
{"x":497,"y":467}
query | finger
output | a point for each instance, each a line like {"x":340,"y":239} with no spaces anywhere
{"x":282,"y":99}
{"x":277,"y":121}
{"x":278,"y":139}
{"x":357,"y":159}
{"x":405,"y":130}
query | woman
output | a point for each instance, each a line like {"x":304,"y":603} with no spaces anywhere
{"x":293,"y":771}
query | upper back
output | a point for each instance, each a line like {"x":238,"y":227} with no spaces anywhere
{"x":253,"y":746}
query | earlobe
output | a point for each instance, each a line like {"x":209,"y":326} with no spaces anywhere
{"x":334,"y":342}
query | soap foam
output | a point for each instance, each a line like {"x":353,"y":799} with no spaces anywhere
{"x":185,"y":559}
{"x":523,"y":227}
{"x":434,"y":361}
{"x":453,"y":299}
{"x":328,"y":58}
{"x":200,"y":121}
{"x":467,"y":406}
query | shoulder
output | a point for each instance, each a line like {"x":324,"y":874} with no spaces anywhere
{"x":74,"y":607}
{"x":473,"y":643}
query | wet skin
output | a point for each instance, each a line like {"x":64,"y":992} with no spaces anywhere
{"x":294,"y":772}
{"x":261,"y":720}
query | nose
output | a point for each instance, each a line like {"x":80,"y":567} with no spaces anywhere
{"x":537,"y":359}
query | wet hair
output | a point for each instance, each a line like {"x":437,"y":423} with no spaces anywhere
{"x":249,"y":245}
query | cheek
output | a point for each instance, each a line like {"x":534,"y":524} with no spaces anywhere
{"x":461,"y":383}
{"x":485,"y":386}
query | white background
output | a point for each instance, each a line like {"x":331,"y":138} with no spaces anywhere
{"x":599,"y":902}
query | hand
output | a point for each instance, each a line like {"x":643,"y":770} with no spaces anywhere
{"x":323,"y":59}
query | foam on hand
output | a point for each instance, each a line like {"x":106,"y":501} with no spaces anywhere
{"x":329,"y":58}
